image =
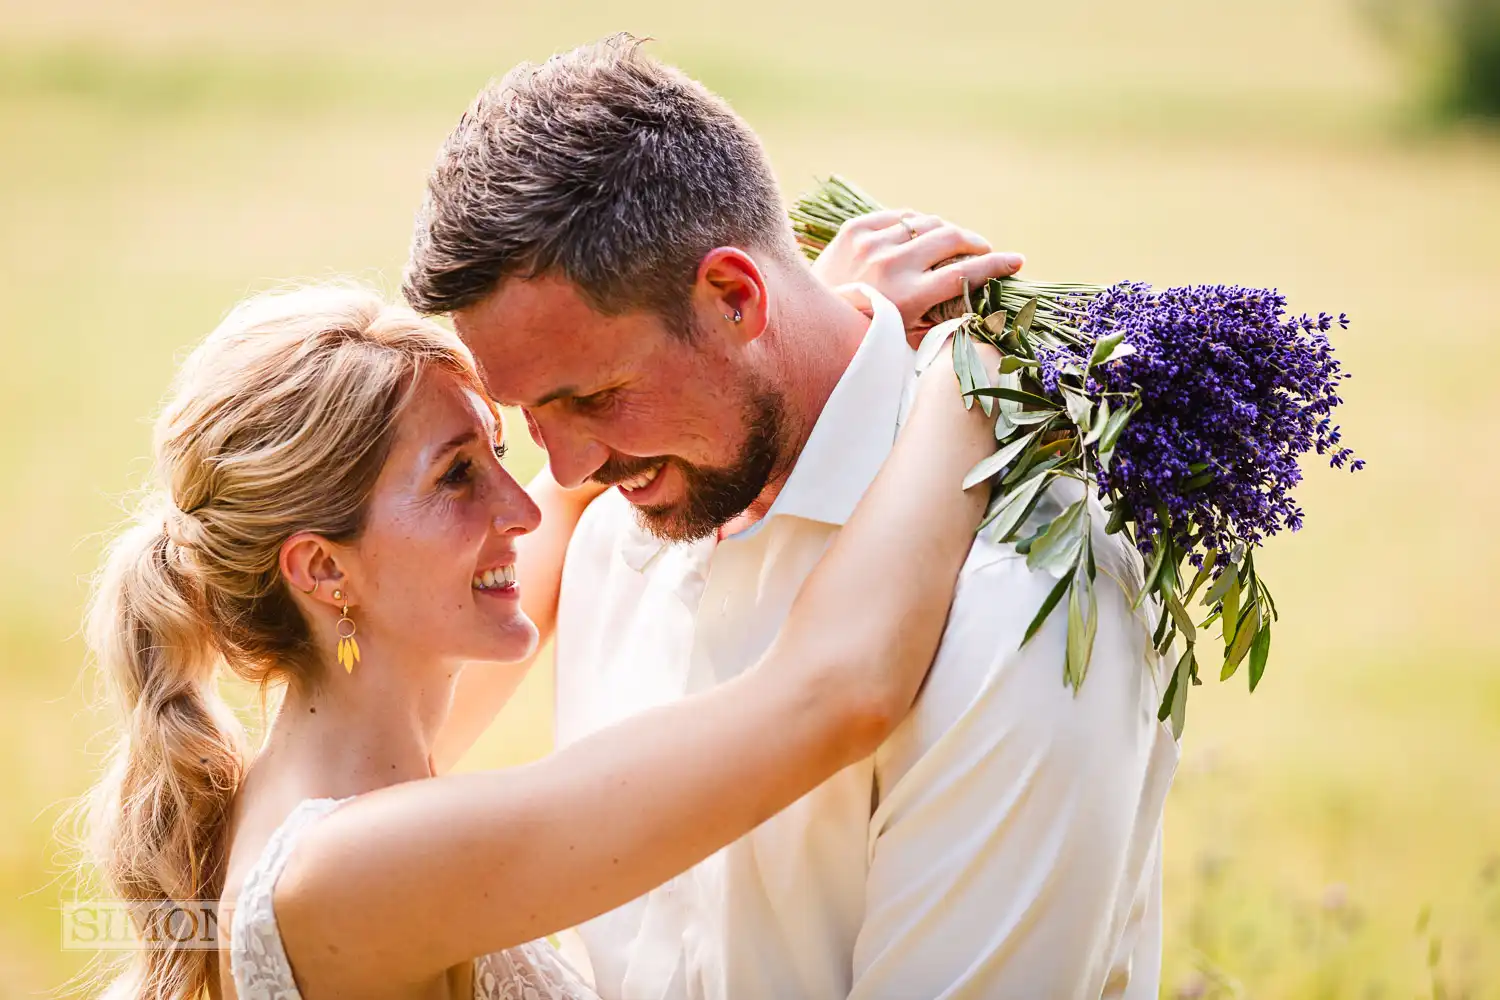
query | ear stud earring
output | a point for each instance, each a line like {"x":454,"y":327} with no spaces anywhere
{"x":734,"y":318}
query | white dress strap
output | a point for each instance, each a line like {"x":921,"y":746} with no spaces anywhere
{"x":257,"y":961}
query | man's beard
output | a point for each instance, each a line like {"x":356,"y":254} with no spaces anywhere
{"x":714,"y":495}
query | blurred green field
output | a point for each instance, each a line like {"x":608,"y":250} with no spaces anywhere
{"x":160,"y":159}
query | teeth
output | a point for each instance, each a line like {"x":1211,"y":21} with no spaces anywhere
{"x":644,"y":479}
{"x":493,"y":578}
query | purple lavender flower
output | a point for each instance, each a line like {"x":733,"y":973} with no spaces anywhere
{"x":1232,"y":392}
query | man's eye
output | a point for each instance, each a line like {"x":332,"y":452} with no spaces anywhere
{"x":594,"y":402}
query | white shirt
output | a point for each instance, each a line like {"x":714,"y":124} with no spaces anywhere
{"x":1004,"y":842}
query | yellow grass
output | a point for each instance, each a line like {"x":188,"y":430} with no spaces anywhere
{"x":159,"y":160}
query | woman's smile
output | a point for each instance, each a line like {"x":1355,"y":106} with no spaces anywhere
{"x":499,"y":581}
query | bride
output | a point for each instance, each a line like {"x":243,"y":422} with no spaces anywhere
{"x":332,"y":517}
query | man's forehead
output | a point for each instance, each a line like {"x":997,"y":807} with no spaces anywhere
{"x":539,"y":339}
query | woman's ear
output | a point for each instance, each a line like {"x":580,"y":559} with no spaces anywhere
{"x":732,"y":292}
{"x":310,"y":565}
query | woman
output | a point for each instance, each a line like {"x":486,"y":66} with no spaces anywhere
{"x":334,"y":517}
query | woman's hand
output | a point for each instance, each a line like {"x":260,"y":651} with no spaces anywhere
{"x":917,"y":261}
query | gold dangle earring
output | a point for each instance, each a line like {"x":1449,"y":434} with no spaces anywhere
{"x":348,"y":647}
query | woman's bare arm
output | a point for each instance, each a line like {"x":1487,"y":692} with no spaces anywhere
{"x":421,"y":876}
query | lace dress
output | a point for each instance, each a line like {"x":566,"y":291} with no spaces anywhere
{"x":261,"y":971}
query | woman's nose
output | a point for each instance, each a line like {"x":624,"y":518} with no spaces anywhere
{"x":518,"y":514}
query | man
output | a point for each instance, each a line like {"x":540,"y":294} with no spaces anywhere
{"x":611,"y":242}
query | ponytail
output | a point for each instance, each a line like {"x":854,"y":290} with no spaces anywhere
{"x":162,"y":809}
{"x":279,"y":422}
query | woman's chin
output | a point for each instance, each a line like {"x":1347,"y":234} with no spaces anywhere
{"x":511,"y":640}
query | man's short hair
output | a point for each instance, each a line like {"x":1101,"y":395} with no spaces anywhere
{"x":604,"y":166}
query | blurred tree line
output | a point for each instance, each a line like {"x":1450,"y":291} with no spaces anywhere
{"x":1454,"y":46}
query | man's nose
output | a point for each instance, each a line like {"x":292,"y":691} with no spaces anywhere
{"x":574,"y":456}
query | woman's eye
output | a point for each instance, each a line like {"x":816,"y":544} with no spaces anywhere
{"x":458,"y":474}
{"x":501,"y":450}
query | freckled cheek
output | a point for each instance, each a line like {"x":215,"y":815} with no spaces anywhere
{"x":418,"y":559}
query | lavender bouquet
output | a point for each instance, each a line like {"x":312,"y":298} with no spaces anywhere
{"x":1185,"y":410}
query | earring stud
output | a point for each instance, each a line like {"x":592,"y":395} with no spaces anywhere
{"x":734,"y":318}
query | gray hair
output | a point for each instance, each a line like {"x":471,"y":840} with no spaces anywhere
{"x":604,"y":166}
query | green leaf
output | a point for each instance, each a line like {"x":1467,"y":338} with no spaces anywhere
{"x":1016,"y":396}
{"x":962,"y":368}
{"x":995,"y":288}
{"x":978,"y":377}
{"x":1204,"y":572}
{"x":1101,"y":420}
{"x":1165,"y":645}
{"x":1023,"y":545}
{"x":1260,"y":649}
{"x":1199,"y":481}
{"x":988,"y":467}
{"x":1159,"y":546}
{"x":1047,"y":605}
{"x":1161,"y":626}
{"x":1244,"y":635}
{"x":1104,"y":345}
{"x":1038,"y":460}
{"x":1058,"y":548}
{"x":1231,"y":611}
{"x":1112,"y":429}
{"x":1023,"y":417}
{"x":1083,"y":623}
{"x":1179,"y":697}
{"x":1018,"y":503}
{"x":1115,"y":353}
{"x":1080,"y":409}
{"x":933,"y":342}
{"x":1165,"y":711}
{"x":995,"y":321}
{"x":1024,"y":317}
{"x":1014,"y":362}
{"x":1221,"y":586}
{"x":1118,"y":515}
{"x":1180,"y":616}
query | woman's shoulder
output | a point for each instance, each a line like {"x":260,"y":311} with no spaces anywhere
{"x":258,"y":961}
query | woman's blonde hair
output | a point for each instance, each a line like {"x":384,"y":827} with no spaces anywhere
{"x":279,"y":422}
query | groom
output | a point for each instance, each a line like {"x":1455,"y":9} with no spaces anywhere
{"x":611,"y":242}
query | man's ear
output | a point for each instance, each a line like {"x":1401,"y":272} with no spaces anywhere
{"x":731,"y":293}
{"x":310,"y":565}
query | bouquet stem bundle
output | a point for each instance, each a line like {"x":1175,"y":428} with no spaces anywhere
{"x":1183,"y":410}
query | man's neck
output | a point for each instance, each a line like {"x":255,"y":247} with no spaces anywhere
{"x":816,"y":334}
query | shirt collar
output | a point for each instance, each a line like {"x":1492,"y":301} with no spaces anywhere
{"x":849,"y":442}
{"x":854,"y":434}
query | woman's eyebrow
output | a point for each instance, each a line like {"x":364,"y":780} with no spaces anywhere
{"x":452,"y":445}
